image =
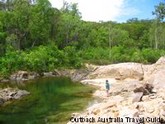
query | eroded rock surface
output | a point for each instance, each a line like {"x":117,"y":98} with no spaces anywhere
{"x":137,"y":91}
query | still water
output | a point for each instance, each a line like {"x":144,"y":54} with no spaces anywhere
{"x":51,"y":101}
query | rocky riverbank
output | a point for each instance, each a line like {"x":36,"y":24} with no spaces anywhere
{"x":137,"y":95}
{"x":21,"y":77}
{"x":74,"y":74}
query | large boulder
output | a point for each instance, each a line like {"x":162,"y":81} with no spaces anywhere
{"x":119,"y":71}
{"x":157,"y":79}
{"x":154,"y":74}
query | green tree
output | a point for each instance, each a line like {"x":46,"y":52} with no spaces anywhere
{"x":160,"y":11}
{"x":68,"y":26}
{"x":157,"y":25}
{"x":40,"y":22}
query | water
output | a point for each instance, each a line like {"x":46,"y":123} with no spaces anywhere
{"x":52,"y":100}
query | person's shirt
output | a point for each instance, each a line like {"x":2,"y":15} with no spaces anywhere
{"x":107,"y":86}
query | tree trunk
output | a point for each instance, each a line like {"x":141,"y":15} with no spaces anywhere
{"x":156,"y":39}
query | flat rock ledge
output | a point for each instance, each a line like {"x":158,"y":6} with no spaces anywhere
{"x":9,"y":94}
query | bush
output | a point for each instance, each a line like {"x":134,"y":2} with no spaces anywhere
{"x":120,"y":54}
{"x":39,"y":59}
{"x":151,"y":55}
{"x":72,"y":57}
{"x":138,"y":57}
{"x":44,"y":58}
{"x":11,"y":61}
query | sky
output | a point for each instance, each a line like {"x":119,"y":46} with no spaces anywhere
{"x":112,"y":10}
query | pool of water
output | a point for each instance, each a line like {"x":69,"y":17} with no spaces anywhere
{"x":51,"y":100}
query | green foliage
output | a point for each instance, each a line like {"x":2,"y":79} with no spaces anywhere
{"x":47,"y":58}
{"x":95,"y":53}
{"x":40,"y":59}
{"x":37,"y":37}
{"x":73,"y":58}
{"x":11,"y":62}
{"x":160,"y":11}
{"x":121,"y":54}
{"x":152,"y":55}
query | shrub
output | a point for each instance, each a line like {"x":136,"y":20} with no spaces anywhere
{"x":151,"y":55}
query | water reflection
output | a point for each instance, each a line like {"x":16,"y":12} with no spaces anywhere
{"x":51,"y":100}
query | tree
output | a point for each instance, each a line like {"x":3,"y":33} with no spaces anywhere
{"x":2,"y":39}
{"x":40,"y":22}
{"x":160,"y":15}
{"x":160,"y":11}
{"x":68,"y":26}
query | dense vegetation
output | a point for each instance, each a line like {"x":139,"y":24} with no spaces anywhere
{"x":36,"y":37}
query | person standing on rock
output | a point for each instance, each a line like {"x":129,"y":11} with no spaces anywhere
{"x":107,"y":86}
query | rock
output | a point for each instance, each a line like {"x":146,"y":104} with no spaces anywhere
{"x":33,"y":75}
{"x":23,"y":76}
{"x":145,"y":98}
{"x":152,"y":96}
{"x":146,"y":89}
{"x":137,"y":97}
{"x":139,"y":89}
{"x":127,"y":112}
{"x":56,"y":73}
{"x":133,"y":82}
{"x":75,"y":75}
{"x":150,"y":110}
{"x":162,"y":113}
{"x":158,"y":79}
{"x":161,"y":61}
{"x":114,"y":100}
{"x":140,"y":107}
{"x":11,"y":93}
{"x":21,"y":93}
{"x":48,"y":74}
{"x":119,"y":71}
{"x":96,"y":111}
{"x":20,"y":75}
{"x":154,"y":74}
{"x":141,"y":82}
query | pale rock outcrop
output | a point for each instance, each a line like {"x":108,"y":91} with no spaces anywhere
{"x":119,"y":71}
{"x":157,"y":79}
{"x":137,"y":91}
{"x":155,"y":74}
